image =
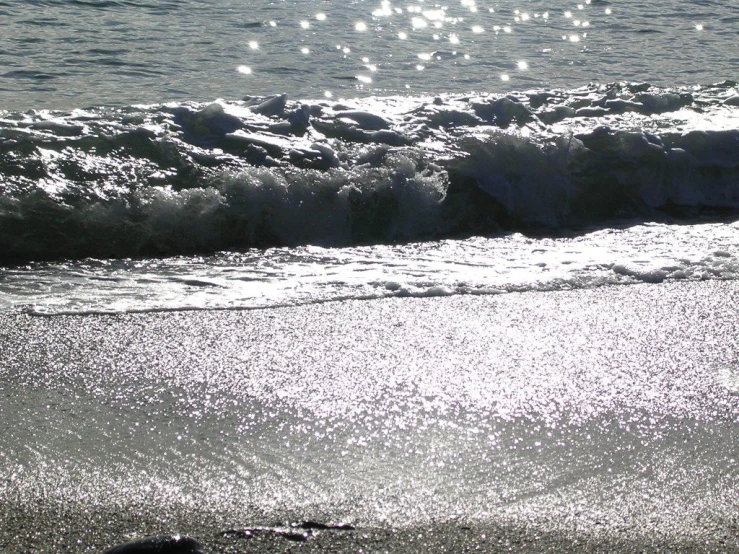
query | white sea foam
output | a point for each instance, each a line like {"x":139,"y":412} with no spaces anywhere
{"x":179,"y":179}
{"x":291,"y":276}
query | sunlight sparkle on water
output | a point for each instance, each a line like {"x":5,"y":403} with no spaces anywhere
{"x":419,"y":23}
{"x":434,"y":15}
{"x":479,"y":26}
{"x":383,"y":11}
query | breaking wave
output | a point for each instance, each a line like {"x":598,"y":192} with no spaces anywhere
{"x":177,"y":179}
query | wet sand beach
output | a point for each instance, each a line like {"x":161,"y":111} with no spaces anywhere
{"x":585,"y":421}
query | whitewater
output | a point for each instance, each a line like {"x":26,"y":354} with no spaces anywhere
{"x":461,"y":267}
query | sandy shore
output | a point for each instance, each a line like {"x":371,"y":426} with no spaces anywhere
{"x":67,"y":531}
{"x":587,"y":421}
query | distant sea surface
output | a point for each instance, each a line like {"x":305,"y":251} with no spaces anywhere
{"x":57,"y":54}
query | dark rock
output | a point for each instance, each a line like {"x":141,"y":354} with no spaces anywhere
{"x":317,"y":526}
{"x":175,"y":544}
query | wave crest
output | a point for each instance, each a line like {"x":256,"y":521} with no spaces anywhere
{"x":200,"y":178}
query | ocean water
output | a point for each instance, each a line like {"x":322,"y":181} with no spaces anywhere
{"x":240,"y":155}
{"x":198,"y":155}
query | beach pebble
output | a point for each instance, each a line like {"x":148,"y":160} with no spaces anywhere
{"x":174,"y":544}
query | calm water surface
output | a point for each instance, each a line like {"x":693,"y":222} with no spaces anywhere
{"x":59,"y":54}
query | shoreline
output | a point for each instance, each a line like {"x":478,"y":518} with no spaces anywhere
{"x":575,"y":421}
